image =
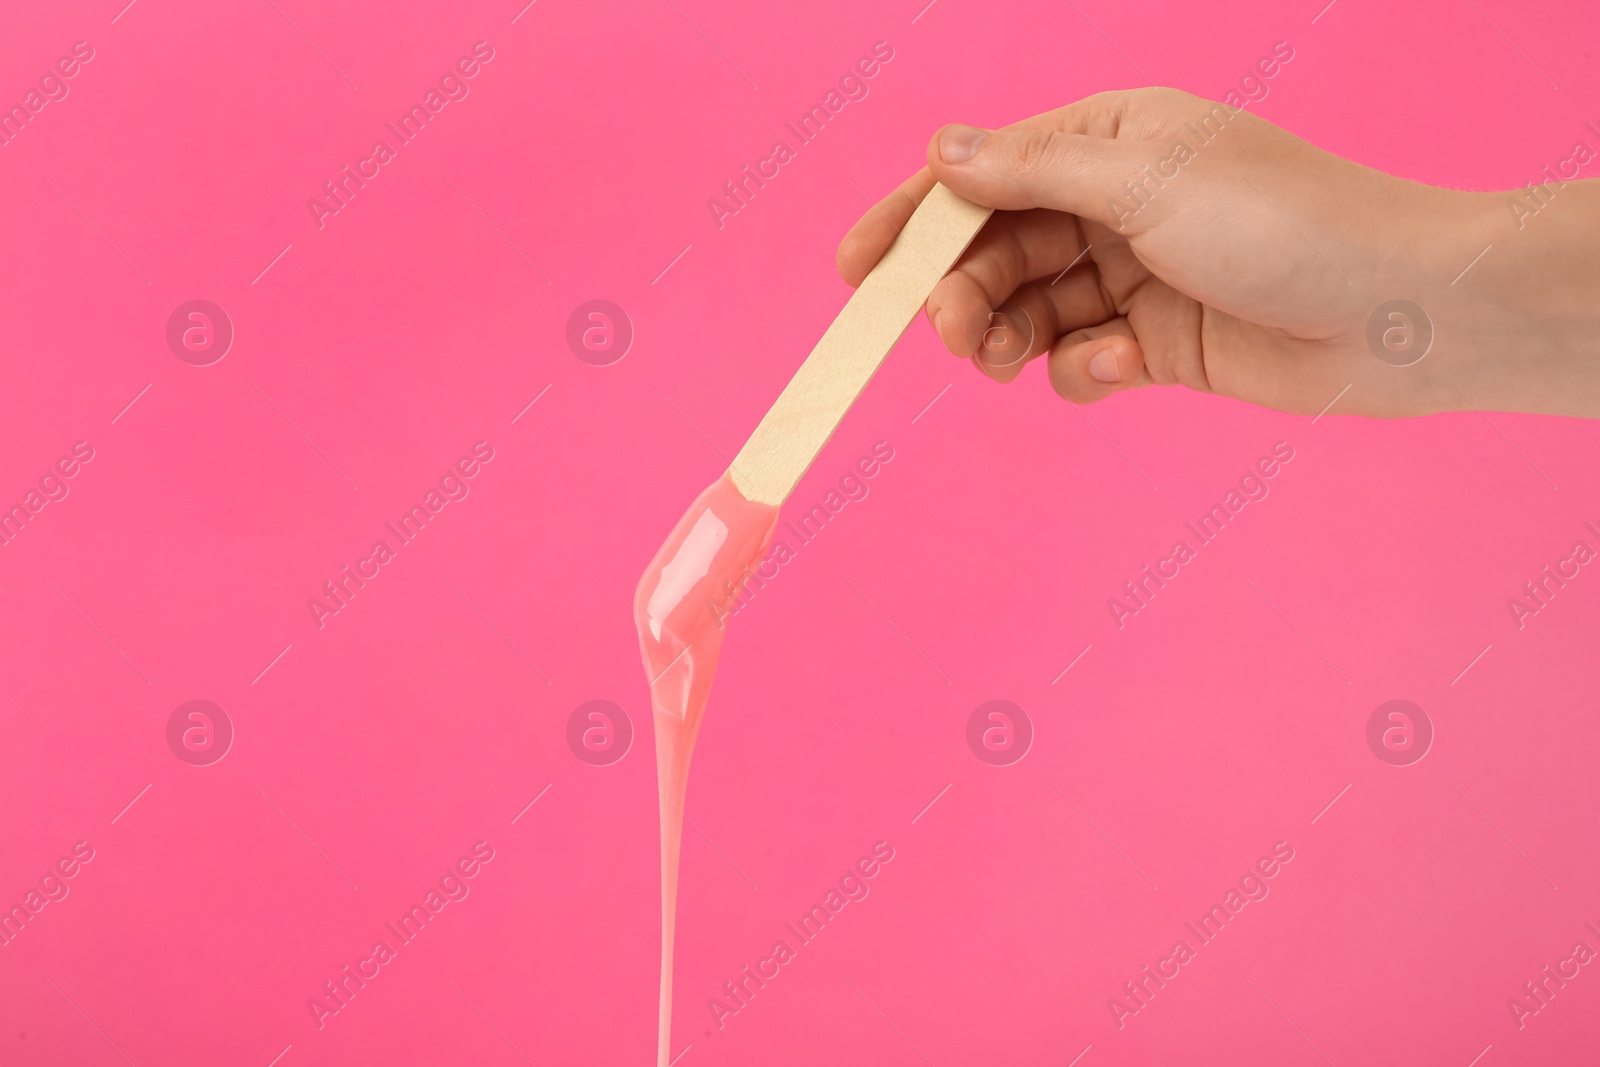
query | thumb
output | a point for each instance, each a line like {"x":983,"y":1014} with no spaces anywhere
{"x":1034,"y":167}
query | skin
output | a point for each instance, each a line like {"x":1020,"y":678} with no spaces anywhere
{"x":1250,"y":266}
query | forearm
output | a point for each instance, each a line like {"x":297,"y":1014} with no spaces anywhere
{"x":1519,"y":329}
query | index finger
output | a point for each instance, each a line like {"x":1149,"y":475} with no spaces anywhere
{"x":875,"y":231}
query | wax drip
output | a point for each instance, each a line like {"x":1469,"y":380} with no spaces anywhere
{"x":676,"y":609}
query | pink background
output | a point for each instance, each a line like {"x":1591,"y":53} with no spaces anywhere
{"x":426,"y":715}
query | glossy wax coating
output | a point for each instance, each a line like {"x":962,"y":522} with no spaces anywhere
{"x":709,"y":552}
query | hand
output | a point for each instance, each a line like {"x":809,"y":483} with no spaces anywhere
{"x":1152,"y":237}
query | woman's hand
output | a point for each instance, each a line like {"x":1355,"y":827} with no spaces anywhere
{"x":1152,"y":237}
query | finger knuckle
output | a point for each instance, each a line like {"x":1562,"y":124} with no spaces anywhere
{"x":1037,"y":153}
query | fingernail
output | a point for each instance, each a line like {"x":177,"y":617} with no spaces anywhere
{"x":1103,"y":367}
{"x":957,"y":144}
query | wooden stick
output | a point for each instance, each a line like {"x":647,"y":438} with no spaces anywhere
{"x":811,"y":406}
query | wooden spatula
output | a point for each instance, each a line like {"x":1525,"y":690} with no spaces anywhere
{"x":811,"y":406}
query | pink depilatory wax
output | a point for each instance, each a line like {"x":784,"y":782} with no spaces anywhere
{"x":708,"y":553}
